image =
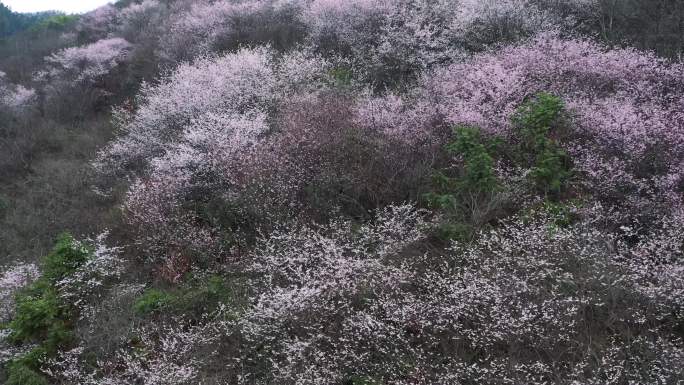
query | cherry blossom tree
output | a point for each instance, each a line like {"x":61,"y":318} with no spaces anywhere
{"x":216,"y":26}
{"x":14,"y":97}
{"x":12,"y":279}
{"x":74,"y":77}
{"x":509,"y":289}
{"x":235,"y":82}
{"x":193,"y":133}
{"x":99,"y":23}
{"x":87,"y":63}
{"x":392,"y":41}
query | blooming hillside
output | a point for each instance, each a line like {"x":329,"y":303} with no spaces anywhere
{"x":346,"y":192}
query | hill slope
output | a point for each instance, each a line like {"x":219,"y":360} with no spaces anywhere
{"x":344,"y":192}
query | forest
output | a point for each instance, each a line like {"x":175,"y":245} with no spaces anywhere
{"x":343,"y":192}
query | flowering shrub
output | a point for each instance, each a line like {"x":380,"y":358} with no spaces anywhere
{"x":492,"y":22}
{"x":164,"y":356}
{"x":318,"y":282}
{"x":197,"y":130}
{"x":393,"y":41}
{"x":528,"y":287}
{"x":191,"y":127}
{"x":141,"y":19}
{"x":87,"y":63}
{"x":387,"y":40}
{"x":75,"y":78}
{"x":220,"y":25}
{"x":234,"y":84}
{"x":14,"y":97}
{"x":573,"y":69}
{"x":84,"y":287}
{"x":13,"y":279}
{"x":98,"y":23}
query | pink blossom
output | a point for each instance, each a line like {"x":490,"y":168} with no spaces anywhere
{"x":232,"y":83}
{"x":14,"y":97}
{"x":99,"y":22}
{"x":11,"y":280}
{"x":87,"y":63}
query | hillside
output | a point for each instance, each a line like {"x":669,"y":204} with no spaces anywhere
{"x":12,"y":22}
{"x":356,"y":192}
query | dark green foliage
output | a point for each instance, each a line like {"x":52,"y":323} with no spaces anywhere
{"x":13,"y":22}
{"x":470,"y":195}
{"x":478,"y":166}
{"x":58,"y":22}
{"x":20,"y":374}
{"x":561,"y":213}
{"x":151,"y":301}
{"x":202,"y":296}
{"x":537,"y":121}
{"x":195,"y":297}
{"x":41,"y":317}
{"x":65,"y":258}
{"x":341,"y":77}
{"x":467,"y":198}
{"x":37,"y":311}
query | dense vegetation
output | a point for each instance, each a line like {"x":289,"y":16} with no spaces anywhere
{"x":13,"y":22}
{"x":343,"y":192}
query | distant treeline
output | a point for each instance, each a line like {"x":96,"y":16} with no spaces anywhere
{"x":13,"y":22}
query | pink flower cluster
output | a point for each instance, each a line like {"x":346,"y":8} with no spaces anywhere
{"x":14,"y":97}
{"x":522,"y":288}
{"x":625,"y":109}
{"x":13,"y":279}
{"x":87,"y":63}
{"x":194,"y":132}
{"x":98,"y":23}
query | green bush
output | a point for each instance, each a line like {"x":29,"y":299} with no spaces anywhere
{"x":467,"y":198}
{"x":151,"y":301}
{"x":202,"y":297}
{"x":36,"y":311}
{"x":40,"y":316}
{"x":67,"y":256}
{"x":30,"y":360}
{"x":478,"y":171}
{"x":341,"y":77}
{"x":20,"y":374}
{"x":59,"y":22}
{"x":193,"y":298}
{"x":550,"y":165}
